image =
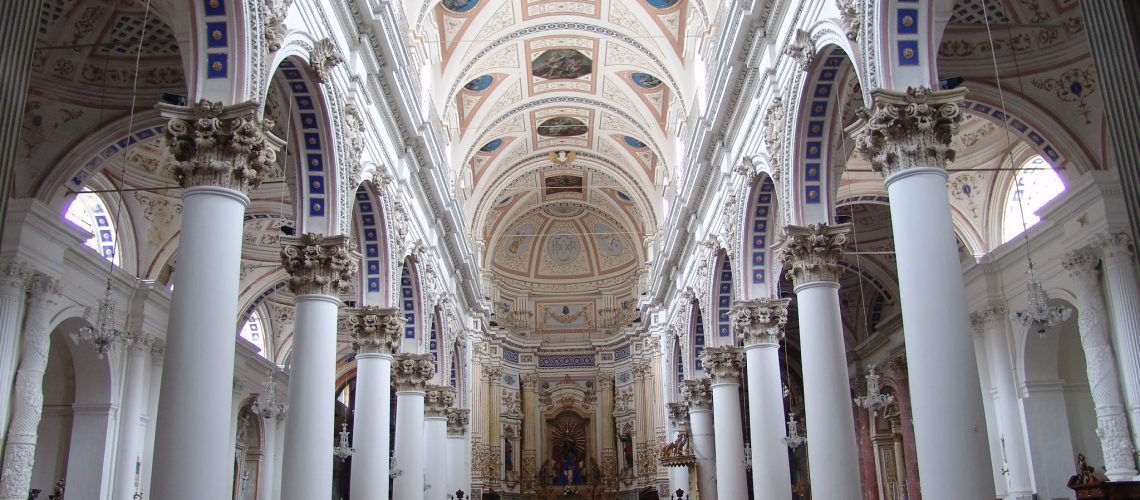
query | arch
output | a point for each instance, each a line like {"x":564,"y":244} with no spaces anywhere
{"x":314,"y":182}
{"x":411,"y":304}
{"x":374,"y":245}
{"x":818,"y":123}
{"x":697,"y":327}
{"x":1027,"y":190}
{"x":678,"y":370}
{"x":758,"y":237}
{"x":434,"y":341}
{"x":722,"y":295}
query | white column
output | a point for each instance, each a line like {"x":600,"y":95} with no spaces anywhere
{"x":130,"y":442}
{"x":811,"y":256}
{"x":199,"y":364}
{"x":679,"y":421}
{"x":992,"y":321}
{"x":723,"y":365}
{"x":27,"y":407}
{"x":268,"y":476}
{"x":376,"y":334}
{"x":437,"y":400}
{"x":1124,"y":297}
{"x":13,"y":279}
{"x":319,"y":267}
{"x":409,"y":374}
{"x":760,"y":323}
{"x":1100,"y":364}
{"x":907,"y":138}
{"x":458,"y":471}
{"x":698,"y":398}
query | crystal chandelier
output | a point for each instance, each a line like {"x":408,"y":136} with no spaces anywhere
{"x":873,"y":400}
{"x":103,"y":336}
{"x":343,"y":450}
{"x":794,"y":439}
{"x":269,"y":407}
{"x":1039,"y":316}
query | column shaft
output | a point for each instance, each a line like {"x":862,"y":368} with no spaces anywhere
{"x":731,"y":481}
{"x":196,"y":402}
{"x":456,"y":465}
{"x":1124,"y":295}
{"x":1100,"y":364}
{"x":435,"y":457}
{"x":27,"y":408}
{"x":265,"y":483}
{"x":704,"y":447}
{"x":993,"y":321}
{"x":307,"y":471}
{"x":130,"y":420}
{"x":13,"y":278}
{"x":409,"y":483}
{"x":371,"y":425}
{"x":771,"y":475}
{"x":835,"y":471}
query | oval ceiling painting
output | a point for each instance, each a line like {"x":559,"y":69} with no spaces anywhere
{"x":479,"y":83}
{"x":662,"y":4}
{"x":558,"y":64}
{"x":466,"y":5}
{"x":562,"y":126}
{"x":634,"y":143}
{"x":645,"y":80}
{"x":491,"y":146}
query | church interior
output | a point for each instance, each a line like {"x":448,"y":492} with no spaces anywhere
{"x":569,"y":249}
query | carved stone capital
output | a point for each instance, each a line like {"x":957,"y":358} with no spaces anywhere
{"x":911,"y":129}
{"x":697,"y":394}
{"x":457,"y":420}
{"x":323,"y":58}
{"x":317,"y":264}
{"x":438,"y":399}
{"x":274,"y":29}
{"x":493,"y":373}
{"x":992,"y":312}
{"x":43,"y":288}
{"x":529,"y":381}
{"x":723,"y":364}
{"x":13,"y":276}
{"x":678,"y":415}
{"x":640,"y":370}
{"x":1114,"y":245}
{"x":411,"y":371}
{"x":812,"y":253}
{"x":375,"y":330}
{"x":759,"y":321}
{"x":210,"y":144}
{"x":1081,"y":263}
{"x":605,"y":380}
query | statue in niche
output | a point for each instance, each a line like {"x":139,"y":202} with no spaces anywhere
{"x":568,"y":436}
{"x":627,"y":450}
{"x":508,"y":455}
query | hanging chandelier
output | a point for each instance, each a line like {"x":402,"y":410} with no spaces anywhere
{"x":269,"y":407}
{"x":103,"y":336}
{"x":794,"y":439}
{"x":873,"y":400}
{"x":343,"y":450}
{"x":1039,"y":316}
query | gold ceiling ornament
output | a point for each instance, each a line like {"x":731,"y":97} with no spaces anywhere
{"x":562,"y":157}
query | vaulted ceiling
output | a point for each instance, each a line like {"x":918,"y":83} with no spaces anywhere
{"x":563,"y":117}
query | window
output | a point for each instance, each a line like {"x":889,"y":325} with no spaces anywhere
{"x":1035,"y":185}
{"x":254,"y":332}
{"x":90,"y":213}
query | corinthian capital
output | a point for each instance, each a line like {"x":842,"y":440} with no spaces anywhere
{"x":759,"y":321}
{"x":678,"y":414}
{"x":992,"y":312}
{"x":375,"y":330}
{"x":910,"y":129}
{"x":317,"y":264}
{"x":697,"y":394}
{"x":215,"y":145}
{"x":411,"y":371}
{"x":723,"y":364}
{"x":1114,"y":245}
{"x":1081,"y":263}
{"x":457,"y":420}
{"x":438,"y":399}
{"x":812,"y":253}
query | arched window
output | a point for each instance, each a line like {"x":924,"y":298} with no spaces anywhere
{"x":254,"y":332}
{"x":1035,"y":185}
{"x":90,"y":213}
